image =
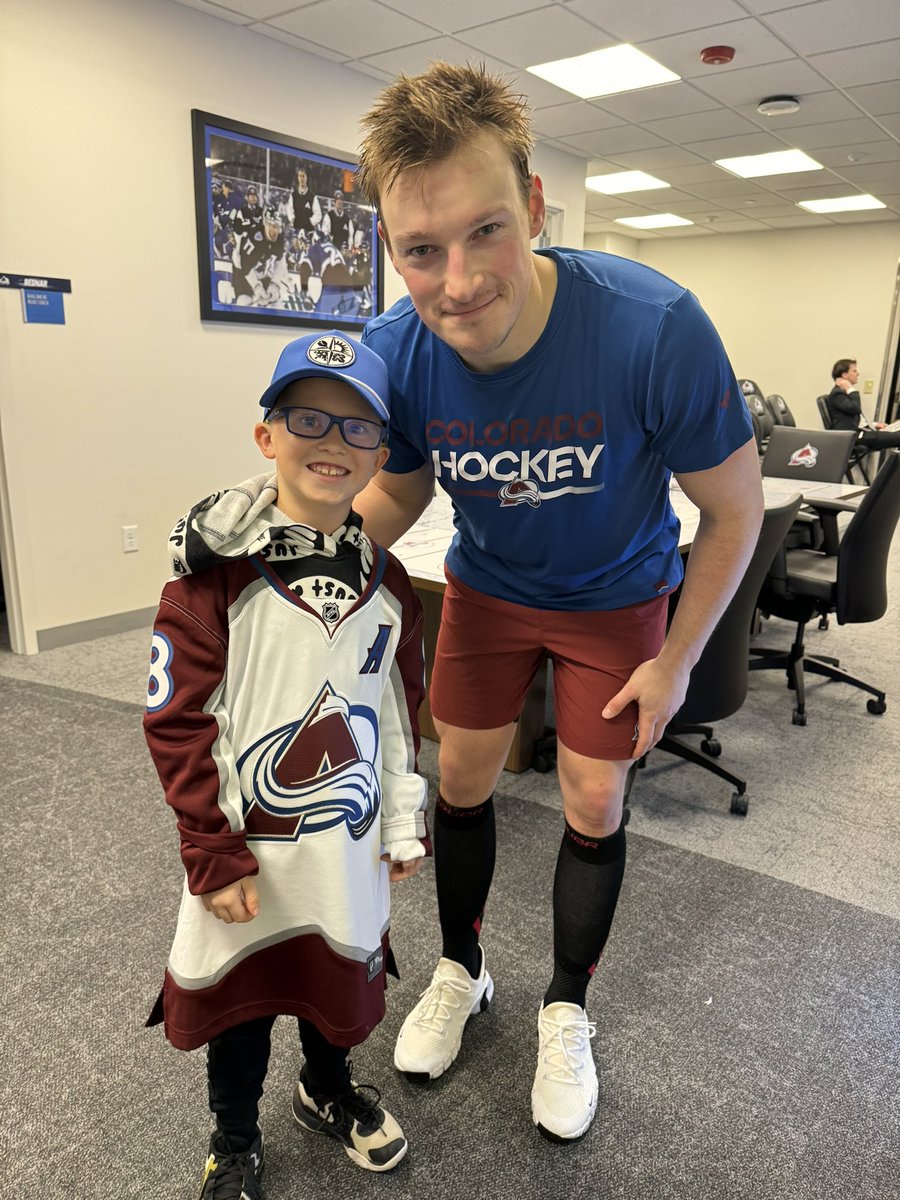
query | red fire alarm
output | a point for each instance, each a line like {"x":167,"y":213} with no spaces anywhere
{"x":716,"y":56}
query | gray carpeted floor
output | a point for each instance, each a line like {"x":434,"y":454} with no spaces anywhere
{"x":748,"y":1026}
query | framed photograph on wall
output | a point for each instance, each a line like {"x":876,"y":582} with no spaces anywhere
{"x":282,"y":236}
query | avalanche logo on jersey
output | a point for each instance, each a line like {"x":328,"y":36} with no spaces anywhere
{"x":519,"y":491}
{"x":807,"y":456}
{"x":314,"y":773}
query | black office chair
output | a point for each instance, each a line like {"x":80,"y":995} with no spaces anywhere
{"x":807,"y":455}
{"x":718,"y":683}
{"x":859,"y":454}
{"x":779,"y":410}
{"x":757,"y":433}
{"x":848,"y":578}
{"x":756,"y":403}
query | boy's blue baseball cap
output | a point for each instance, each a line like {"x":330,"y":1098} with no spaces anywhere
{"x":332,"y":356}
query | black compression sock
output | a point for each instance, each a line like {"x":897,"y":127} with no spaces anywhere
{"x":585,"y":892}
{"x":465,"y":845}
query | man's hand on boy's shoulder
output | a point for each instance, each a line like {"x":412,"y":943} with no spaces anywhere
{"x":398,"y":871}
{"x":234,"y":904}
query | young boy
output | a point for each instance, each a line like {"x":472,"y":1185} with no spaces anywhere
{"x":286,"y":675}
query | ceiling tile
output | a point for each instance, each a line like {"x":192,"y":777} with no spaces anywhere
{"x":261,"y":10}
{"x":861,"y":64}
{"x":839,"y":157}
{"x":835,"y":133}
{"x":748,"y":143}
{"x":868,"y":216}
{"x":216,"y":10}
{"x":639,"y":20}
{"x":801,"y":219}
{"x":461,"y":14}
{"x":730,"y":185}
{"x":818,"y":191}
{"x":567,"y":119}
{"x":411,"y":60}
{"x":697,"y":127}
{"x":653,"y":103}
{"x":837,"y":24}
{"x":793,"y":78}
{"x":767,"y":6}
{"x":536,"y":37}
{"x":356,"y":28}
{"x":655,"y":160}
{"x":733,"y":224}
{"x":299,"y":43}
{"x":608,"y":141}
{"x":868,"y":175}
{"x":891,"y":122}
{"x":877,"y":98}
{"x":814,"y":108}
{"x":706,"y":172}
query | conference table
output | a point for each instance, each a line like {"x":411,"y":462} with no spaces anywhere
{"x":423,"y":547}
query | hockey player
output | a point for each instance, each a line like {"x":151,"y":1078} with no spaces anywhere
{"x":260,"y":266}
{"x":286,"y":676}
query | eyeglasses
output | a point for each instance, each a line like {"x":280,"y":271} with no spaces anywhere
{"x":311,"y":423}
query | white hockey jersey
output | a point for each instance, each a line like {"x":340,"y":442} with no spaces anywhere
{"x":286,"y":677}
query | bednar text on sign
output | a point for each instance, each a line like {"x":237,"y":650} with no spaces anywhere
{"x":44,"y":282}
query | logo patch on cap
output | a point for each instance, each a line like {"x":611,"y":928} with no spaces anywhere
{"x":331,"y":351}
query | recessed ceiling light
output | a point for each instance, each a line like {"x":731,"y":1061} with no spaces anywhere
{"x":624,"y":181}
{"x":778,"y":162}
{"x":605,"y":72}
{"x":778,"y":106}
{"x":656,"y":221}
{"x":841,"y":204}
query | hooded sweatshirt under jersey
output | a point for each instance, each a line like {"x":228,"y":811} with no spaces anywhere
{"x":285,"y":681}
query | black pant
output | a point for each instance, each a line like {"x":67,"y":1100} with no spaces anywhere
{"x":880,"y":439}
{"x":236,"y":1065}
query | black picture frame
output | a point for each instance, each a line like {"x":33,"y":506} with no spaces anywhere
{"x":323,"y":267}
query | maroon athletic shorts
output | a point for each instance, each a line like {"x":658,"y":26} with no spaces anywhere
{"x":488,"y":652}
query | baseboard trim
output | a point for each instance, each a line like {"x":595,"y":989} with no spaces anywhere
{"x":86,"y":631}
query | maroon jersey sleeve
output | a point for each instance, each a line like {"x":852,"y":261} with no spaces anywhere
{"x":187,"y":740}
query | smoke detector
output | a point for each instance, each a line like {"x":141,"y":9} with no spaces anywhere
{"x":717,"y":56}
{"x":778,"y":106}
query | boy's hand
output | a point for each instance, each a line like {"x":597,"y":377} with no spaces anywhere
{"x":234,"y":904}
{"x":401,"y":870}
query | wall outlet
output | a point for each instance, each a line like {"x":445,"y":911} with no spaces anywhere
{"x":130,"y":539}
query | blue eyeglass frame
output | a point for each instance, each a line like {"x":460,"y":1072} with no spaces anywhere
{"x":332,"y":420}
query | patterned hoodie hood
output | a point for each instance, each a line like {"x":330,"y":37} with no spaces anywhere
{"x":243,"y":521}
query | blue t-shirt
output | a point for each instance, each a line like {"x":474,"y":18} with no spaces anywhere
{"x":558,"y":466}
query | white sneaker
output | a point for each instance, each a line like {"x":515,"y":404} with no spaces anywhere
{"x":564,"y":1096}
{"x":431,"y":1035}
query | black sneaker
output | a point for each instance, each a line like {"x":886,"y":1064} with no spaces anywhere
{"x":368,"y":1133}
{"x":232,"y":1176}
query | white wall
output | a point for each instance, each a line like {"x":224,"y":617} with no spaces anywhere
{"x":134,"y":408}
{"x":788,"y":304}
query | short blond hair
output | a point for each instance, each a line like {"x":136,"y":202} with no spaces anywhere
{"x":421,"y":119}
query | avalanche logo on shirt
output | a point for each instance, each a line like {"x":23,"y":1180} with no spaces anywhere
{"x":313,"y":774}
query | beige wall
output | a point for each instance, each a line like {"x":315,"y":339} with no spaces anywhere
{"x":134,"y":409}
{"x":789,"y":303}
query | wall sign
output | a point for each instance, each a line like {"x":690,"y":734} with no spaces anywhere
{"x":8,"y":280}
{"x":40,"y":307}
